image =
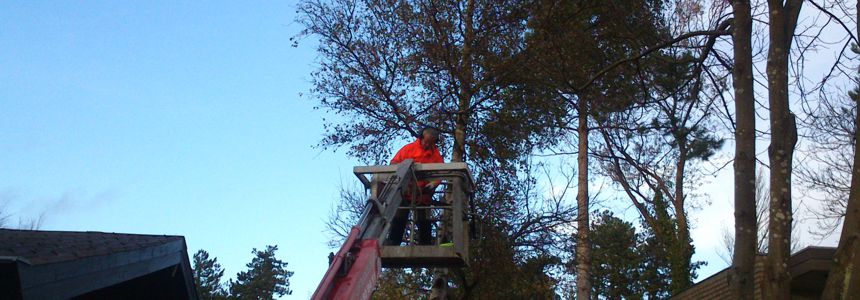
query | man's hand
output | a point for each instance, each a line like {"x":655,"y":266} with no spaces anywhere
{"x":432,"y":185}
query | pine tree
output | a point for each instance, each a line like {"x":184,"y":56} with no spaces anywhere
{"x":617,"y":265}
{"x":207,"y":276}
{"x":265,"y":278}
{"x":629,"y":264}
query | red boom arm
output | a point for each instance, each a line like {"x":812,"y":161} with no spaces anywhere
{"x":360,"y":259}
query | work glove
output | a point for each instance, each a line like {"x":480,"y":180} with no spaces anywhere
{"x":430,"y":187}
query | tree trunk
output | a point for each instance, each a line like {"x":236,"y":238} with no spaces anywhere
{"x":461,"y":123}
{"x":439,"y":290}
{"x":777,"y":284}
{"x":741,"y":275}
{"x":683,"y":252}
{"x":843,"y":281}
{"x":583,"y":245}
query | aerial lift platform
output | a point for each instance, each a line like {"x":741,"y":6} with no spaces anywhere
{"x":353,"y":272}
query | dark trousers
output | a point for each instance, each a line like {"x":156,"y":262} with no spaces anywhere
{"x":398,"y":227}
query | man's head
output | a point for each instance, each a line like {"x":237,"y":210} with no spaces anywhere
{"x":429,"y":137}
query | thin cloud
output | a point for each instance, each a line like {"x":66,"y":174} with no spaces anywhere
{"x":32,"y":211}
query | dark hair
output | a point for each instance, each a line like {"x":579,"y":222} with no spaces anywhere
{"x":432,"y":130}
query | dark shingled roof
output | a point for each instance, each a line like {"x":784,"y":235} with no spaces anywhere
{"x":37,"y":264}
{"x":45,"y":247}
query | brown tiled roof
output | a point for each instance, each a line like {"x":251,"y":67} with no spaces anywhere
{"x":45,"y":247}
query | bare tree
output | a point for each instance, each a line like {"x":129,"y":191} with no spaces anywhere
{"x":762,"y":208}
{"x":31,"y":223}
{"x":782,"y":20}
{"x":826,"y":172}
{"x":829,"y":125}
{"x":345,"y":213}
{"x":741,"y":281}
{"x":4,"y":215}
{"x":762,"y":199}
{"x":652,"y":152}
{"x":6,"y":219}
{"x":843,"y":282}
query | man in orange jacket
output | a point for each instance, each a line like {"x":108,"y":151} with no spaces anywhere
{"x":422,"y":150}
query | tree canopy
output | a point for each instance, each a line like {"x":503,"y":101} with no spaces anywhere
{"x":639,"y":93}
{"x":267,"y":277}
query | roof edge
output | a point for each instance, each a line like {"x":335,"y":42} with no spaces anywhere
{"x":15,"y":259}
{"x":88,"y":231}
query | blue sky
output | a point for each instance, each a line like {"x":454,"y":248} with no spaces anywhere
{"x":167,"y":118}
{"x":186,"y":119}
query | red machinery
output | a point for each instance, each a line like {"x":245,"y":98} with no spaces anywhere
{"x":359,"y":281}
{"x":354,"y":270}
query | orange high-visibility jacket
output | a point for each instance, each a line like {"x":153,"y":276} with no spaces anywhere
{"x":417,"y":153}
{"x":422,"y":156}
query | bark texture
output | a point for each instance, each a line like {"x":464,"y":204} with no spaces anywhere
{"x":741,"y":280}
{"x":583,"y":245}
{"x":783,"y":19}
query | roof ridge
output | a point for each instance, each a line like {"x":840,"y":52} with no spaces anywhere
{"x":89,"y":231}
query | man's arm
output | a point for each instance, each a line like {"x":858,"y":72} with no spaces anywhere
{"x":400,"y":156}
{"x":437,"y":157}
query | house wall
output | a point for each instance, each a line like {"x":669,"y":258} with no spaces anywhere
{"x":163,"y":284}
{"x":717,"y":286}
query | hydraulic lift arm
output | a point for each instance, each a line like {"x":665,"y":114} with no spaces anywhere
{"x":354,"y":270}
